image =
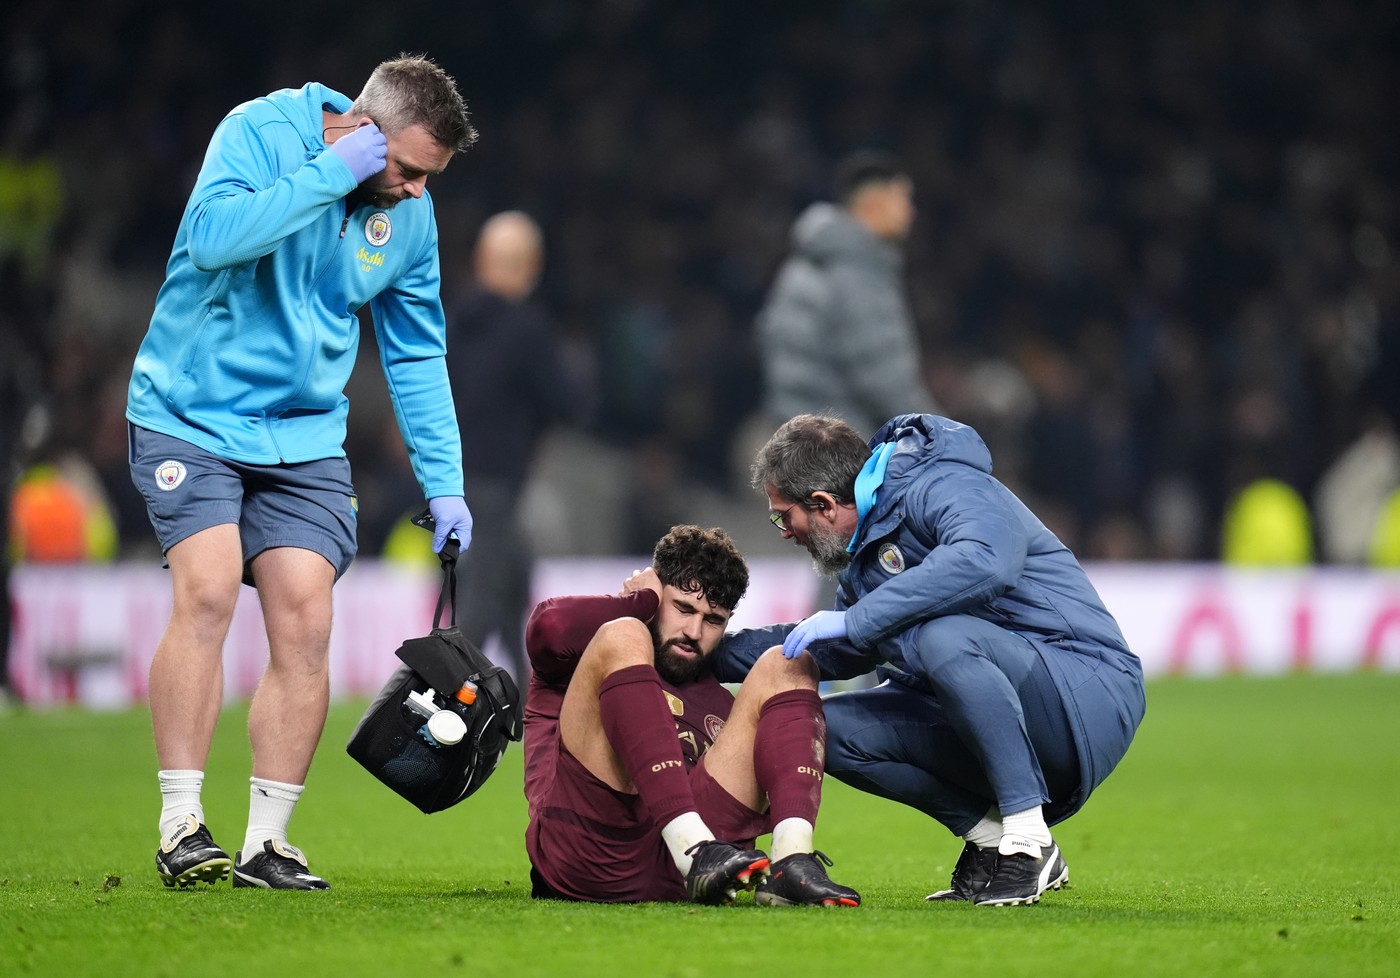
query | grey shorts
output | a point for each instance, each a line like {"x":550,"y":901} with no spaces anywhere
{"x":310,"y":505}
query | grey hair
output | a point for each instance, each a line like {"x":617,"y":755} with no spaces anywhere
{"x":411,"y":90}
{"x":808,"y":454}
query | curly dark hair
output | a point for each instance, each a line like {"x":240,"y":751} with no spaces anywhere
{"x":702,"y":561}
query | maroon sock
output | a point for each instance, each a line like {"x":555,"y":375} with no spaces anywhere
{"x":789,"y":754}
{"x":642,"y":732}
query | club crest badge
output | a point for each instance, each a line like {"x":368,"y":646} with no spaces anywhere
{"x":169,"y":474}
{"x":713,"y":725}
{"x":378,"y":230}
{"x":891,"y":560}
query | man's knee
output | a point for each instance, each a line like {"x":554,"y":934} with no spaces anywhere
{"x":776,"y":673}
{"x":298,"y":622}
{"x":206,"y":599}
{"x":945,"y":648}
{"x":935,"y":642}
{"x":620,"y":643}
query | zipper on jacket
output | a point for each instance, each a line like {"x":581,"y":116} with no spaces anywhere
{"x":344,"y":224}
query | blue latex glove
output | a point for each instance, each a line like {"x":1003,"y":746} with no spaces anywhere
{"x":450,"y":515}
{"x":363,"y":151}
{"x":824,"y":624}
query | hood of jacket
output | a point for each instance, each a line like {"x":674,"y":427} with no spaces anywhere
{"x":923,"y":439}
{"x":826,"y":234}
{"x":302,"y":108}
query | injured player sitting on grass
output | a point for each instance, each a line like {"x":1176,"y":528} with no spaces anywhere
{"x":638,"y":761}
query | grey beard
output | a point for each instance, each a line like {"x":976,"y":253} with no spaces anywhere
{"x":828,"y":551}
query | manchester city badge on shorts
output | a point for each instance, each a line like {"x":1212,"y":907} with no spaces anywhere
{"x":169,"y":474}
{"x":378,"y":230}
{"x":891,"y":560}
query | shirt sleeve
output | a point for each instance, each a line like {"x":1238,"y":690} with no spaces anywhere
{"x":251,"y":194}
{"x":412,"y":334}
{"x":560,"y":629}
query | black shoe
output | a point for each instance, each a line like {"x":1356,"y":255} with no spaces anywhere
{"x":800,"y":879}
{"x":720,"y":870}
{"x":1021,"y":878}
{"x":280,"y":866}
{"x":188,"y":856}
{"x":971,"y":874}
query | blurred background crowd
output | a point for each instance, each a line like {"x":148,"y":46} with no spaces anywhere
{"x":1154,"y":260}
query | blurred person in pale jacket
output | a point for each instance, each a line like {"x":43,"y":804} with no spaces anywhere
{"x":836,"y":333}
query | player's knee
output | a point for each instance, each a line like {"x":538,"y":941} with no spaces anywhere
{"x":779,"y":672}
{"x":620,"y":643}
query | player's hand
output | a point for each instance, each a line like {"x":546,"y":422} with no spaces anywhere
{"x":824,"y":624}
{"x":364,"y":151}
{"x":641,"y":580}
{"x":450,"y":515}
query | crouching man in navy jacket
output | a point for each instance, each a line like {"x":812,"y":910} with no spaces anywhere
{"x":1008,"y":692}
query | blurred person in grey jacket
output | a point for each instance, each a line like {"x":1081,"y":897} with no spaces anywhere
{"x":836,"y":333}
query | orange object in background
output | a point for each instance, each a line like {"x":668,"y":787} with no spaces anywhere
{"x":48,"y":519}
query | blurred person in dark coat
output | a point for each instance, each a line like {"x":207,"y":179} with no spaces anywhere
{"x":506,"y":371}
{"x":836,"y":333}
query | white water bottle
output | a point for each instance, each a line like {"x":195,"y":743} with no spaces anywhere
{"x":443,"y":727}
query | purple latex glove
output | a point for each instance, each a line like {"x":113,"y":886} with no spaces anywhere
{"x":363,"y":151}
{"x":824,"y":624}
{"x":450,"y":515}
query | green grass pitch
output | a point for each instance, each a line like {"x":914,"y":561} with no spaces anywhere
{"x":1254,"y":829}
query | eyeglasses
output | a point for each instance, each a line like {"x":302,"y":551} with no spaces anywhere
{"x":780,"y":519}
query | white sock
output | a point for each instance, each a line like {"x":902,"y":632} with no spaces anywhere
{"x":270,"y":806}
{"x":987,"y":833}
{"x":1024,"y":832}
{"x":179,"y":796}
{"x":791,"y":835}
{"x":683,"y":832}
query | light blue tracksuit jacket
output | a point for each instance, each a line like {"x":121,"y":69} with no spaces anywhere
{"x":254,"y":333}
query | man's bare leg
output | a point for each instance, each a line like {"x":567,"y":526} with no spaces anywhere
{"x":186,"y":692}
{"x":731,"y":760}
{"x":187,"y":671}
{"x":288,"y":712}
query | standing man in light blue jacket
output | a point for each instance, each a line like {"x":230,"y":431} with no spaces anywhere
{"x":308,"y":206}
{"x":1008,"y":690}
